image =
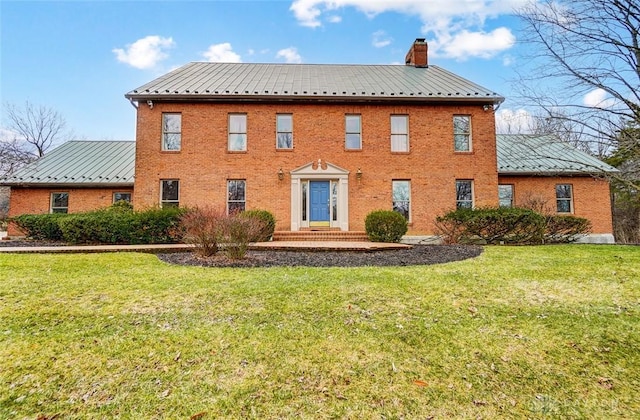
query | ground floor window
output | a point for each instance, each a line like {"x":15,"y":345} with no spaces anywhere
{"x":401,"y":193}
{"x":505,"y":195}
{"x":121,"y":196}
{"x":564,"y":198}
{"x":170,"y":193}
{"x":59,"y":202}
{"x":464,"y":194}
{"x":236,"y":199}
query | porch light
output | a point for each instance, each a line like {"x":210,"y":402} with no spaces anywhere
{"x":358,"y":174}
{"x":280,"y":174}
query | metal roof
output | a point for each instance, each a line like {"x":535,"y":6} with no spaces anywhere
{"x":80,"y":163}
{"x":224,"y":81}
{"x":521,"y":154}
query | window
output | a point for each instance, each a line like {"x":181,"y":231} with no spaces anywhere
{"x":464,"y":194}
{"x":170,"y":194}
{"x":237,"y":132}
{"x":59,"y":202}
{"x":122,"y":196}
{"x":401,"y":198}
{"x":564,"y":198}
{"x":505,"y":195}
{"x":284,"y":128}
{"x":171,"y":132}
{"x":399,"y":133}
{"x":462,"y":133}
{"x":236,"y":201}
{"x":352,"y":132}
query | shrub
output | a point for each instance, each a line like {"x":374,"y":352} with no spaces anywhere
{"x":204,"y":228}
{"x":268,"y":224}
{"x":492,"y":226}
{"x":40,"y":226}
{"x":238,"y":231}
{"x":385,"y":226}
{"x":564,"y":229}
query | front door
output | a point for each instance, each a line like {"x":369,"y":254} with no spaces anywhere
{"x":319,"y":198}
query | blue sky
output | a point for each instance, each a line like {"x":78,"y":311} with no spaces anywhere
{"x":81,"y":57}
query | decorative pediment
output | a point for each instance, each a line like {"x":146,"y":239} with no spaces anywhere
{"x":320,"y":168}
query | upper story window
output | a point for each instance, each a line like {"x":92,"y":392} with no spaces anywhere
{"x":462,"y":133}
{"x":353,"y":132}
{"x":59,"y":202}
{"x":170,"y":193}
{"x":505,"y":195}
{"x":236,"y":198}
{"x":399,"y":133}
{"x":121,"y":196}
{"x":401,"y":193}
{"x":171,"y":132}
{"x":284,"y":131}
{"x":464,"y":194}
{"x":564,"y":198}
{"x":237,"y":132}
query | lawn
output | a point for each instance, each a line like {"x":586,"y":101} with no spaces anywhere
{"x":517,"y":332}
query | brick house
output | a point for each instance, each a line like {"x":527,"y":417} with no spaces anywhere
{"x":321,"y":146}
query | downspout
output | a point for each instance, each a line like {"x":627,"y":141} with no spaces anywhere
{"x":131,"y":101}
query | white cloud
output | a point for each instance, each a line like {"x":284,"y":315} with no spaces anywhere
{"x":290,"y":55}
{"x":381,"y":39}
{"x":334,"y":19}
{"x":449,"y":23}
{"x":221,"y":53}
{"x":465,"y":44}
{"x":598,"y":98}
{"x":509,"y":121}
{"x":146,"y":52}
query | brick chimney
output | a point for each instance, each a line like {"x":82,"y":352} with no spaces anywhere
{"x":417,"y":55}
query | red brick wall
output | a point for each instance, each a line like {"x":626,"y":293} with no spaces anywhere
{"x":38,"y":200}
{"x":203,"y":165}
{"x":591,"y":198}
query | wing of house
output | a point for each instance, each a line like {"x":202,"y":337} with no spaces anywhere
{"x":76,"y":176}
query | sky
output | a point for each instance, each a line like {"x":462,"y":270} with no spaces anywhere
{"x":81,"y":57}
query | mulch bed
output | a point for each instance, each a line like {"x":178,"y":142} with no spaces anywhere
{"x":418,"y":255}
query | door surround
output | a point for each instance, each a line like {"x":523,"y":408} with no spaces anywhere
{"x":319,"y":171}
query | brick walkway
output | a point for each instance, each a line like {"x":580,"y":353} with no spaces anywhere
{"x":274,"y":245}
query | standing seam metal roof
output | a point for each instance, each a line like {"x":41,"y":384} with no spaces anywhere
{"x":211,"y":81}
{"x":82,"y":163}
{"x":521,"y":154}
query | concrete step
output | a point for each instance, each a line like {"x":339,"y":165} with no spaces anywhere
{"x":322,"y":235}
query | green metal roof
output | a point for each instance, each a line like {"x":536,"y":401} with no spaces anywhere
{"x":520,"y":154}
{"x":80,"y":163}
{"x":112,"y":163}
{"x":224,"y":81}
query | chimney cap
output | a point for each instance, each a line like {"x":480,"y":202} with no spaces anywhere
{"x":420,"y":40}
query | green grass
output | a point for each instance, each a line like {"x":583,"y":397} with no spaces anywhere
{"x":518,"y":332}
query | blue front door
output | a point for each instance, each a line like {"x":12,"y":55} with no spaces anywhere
{"x":319,"y":198}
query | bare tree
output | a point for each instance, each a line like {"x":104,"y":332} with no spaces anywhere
{"x":582,"y":74}
{"x":586,"y":53}
{"x":33,"y":129}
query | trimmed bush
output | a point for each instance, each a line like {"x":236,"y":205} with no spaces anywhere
{"x":492,"y":226}
{"x":565,"y":229}
{"x":508,"y":226}
{"x":115,"y":225}
{"x":268,"y":224}
{"x":40,"y":226}
{"x":385,"y":226}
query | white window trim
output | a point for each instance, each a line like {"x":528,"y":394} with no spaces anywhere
{"x":406,"y":133}
{"x":51,"y":208}
{"x":278,"y":132}
{"x":408,"y":181}
{"x":162,"y":201}
{"x":473,"y":194}
{"x":346,"y":133}
{"x":245,"y":132}
{"x":164,"y":148}
{"x":470,"y":148}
